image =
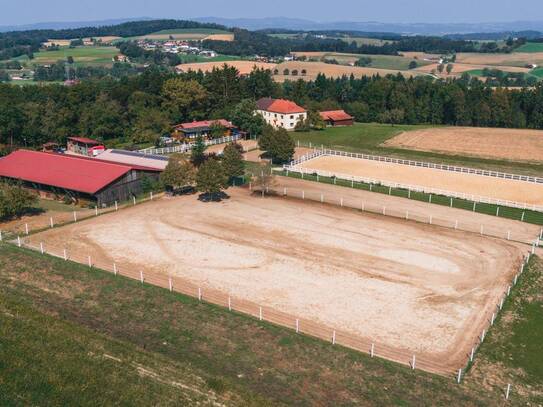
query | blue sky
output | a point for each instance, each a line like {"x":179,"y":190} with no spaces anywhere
{"x":30,"y":11}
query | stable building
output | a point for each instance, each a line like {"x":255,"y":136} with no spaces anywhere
{"x":281,"y":113}
{"x":192,"y":130}
{"x":61,"y":176}
{"x":158,"y":162}
{"x":335,"y":118}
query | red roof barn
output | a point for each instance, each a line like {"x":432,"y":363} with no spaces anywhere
{"x":78,"y":177}
{"x":337,"y":118}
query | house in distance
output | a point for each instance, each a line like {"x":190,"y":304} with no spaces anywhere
{"x":84,"y":146}
{"x":281,"y":113}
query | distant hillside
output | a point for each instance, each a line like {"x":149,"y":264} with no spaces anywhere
{"x":69,"y":24}
{"x":373,"y":26}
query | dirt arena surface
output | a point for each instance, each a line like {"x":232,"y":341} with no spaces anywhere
{"x":402,"y":284}
{"x":473,"y":185}
{"x":506,"y":144}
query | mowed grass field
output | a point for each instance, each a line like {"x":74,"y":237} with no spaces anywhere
{"x":369,"y":137}
{"x":71,"y":335}
{"x":87,"y":55}
{"x":531,"y":47}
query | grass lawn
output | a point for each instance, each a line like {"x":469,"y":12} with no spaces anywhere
{"x":537,"y":72}
{"x":87,"y":55}
{"x":73,"y":336}
{"x":531,"y":47}
{"x":367,"y":137}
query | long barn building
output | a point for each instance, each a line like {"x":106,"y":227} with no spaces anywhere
{"x":79,"y":178}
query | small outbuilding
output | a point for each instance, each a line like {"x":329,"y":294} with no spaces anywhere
{"x":192,"y":130}
{"x":84,"y":146}
{"x":337,"y":118}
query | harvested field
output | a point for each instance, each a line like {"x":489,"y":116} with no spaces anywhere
{"x":244,"y":67}
{"x":332,"y":71}
{"x":506,"y":144}
{"x":519,"y":59}
{"x":220,"y":37}
{"x":401,"y":284}
{"x":458,"y":69}
{"x":471,"y":185}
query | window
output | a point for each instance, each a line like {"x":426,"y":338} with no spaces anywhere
{"x":291,"y":117}
{"x":291,"y":124}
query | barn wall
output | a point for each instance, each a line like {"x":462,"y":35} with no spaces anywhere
{"x":124,"y":188}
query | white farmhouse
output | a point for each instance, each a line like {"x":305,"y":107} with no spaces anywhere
{"x":280,"y":112}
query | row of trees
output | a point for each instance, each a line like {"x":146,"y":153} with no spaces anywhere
{"x":141,"y":108}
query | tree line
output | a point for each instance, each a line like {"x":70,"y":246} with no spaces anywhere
{"x":141,"y":108}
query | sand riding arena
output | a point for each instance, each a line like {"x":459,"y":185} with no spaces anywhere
{"x":459,"y":182}
{"x":389,"y":287}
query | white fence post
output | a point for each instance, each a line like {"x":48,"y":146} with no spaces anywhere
{"x":19,"y":241}
{"x":459,"y":378}
{"x":41,"y":248}
{"x":151,"y":193}
{"x":141,"y":276}
{"x":116,"y":206}
{"x":297,"y":325}
{"x":51,"y":221}
{"x":96,"y":210}
{"x":413,"y":362}
{"x":260,"y":313}
{"x":483,"y":334}
{"x":65,"y":254}
{"x":472,"y":355}
{"x":114,"y":269}
{"x":199,"y":294}
{"x":170,"y":284}
{"x":26,"y":229}
{"x":372,"y":350}
{"x":334,"y":338}
{"x":75,"y":216}
{"x":507,"y":391}
{"x":134,"y":200}
{"x":89,"y":261}
{"x":1,"y":237}
{"x":229,"y":303}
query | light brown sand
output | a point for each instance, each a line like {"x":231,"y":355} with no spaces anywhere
{"x":401,"y":284}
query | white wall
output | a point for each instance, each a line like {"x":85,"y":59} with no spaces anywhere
{"x":286,"y":121}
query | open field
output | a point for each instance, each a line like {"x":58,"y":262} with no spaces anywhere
{"x":459,"y":69}
{"x":333,"y":71}
{"x":507,"y":144}
{"x":369,"y":138}
{"x":531,"y":47}
{"x":117,"y":341}
{"x":244,"y":67}
{"x":365,"y":41}
{"x":517,"y":59}
{"x":87,"y":55}
{"x":311,"y":261}
{"x":473,"y":186}
{"x":189,"y":34}
{"x":378,"y":61}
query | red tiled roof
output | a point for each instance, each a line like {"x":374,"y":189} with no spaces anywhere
{"x":335,"y":115}
{"x":85,"y":140}
{"x":62,"y":171}
{"x":279,"y":106}
{"x":204,"y":123}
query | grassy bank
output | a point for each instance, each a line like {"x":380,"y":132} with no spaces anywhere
{"x":488,"y":209}
{"x":74,"y":336}
{"x":368,"y":137}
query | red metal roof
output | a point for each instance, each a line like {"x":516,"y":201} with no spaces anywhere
{"x":204,"y":123}
{"x":85,"y":140}
{"x":336,"y":115}
{"x":62,"y":171}
{"x":279,"y":106}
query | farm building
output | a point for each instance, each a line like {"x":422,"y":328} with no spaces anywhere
{"x":280,"y":112}
{"x":190,"y":131}
{"x":60,"y":176}
{"x":157,"y":162}
{"x":84,"y":146}
{"x":337,"y":118}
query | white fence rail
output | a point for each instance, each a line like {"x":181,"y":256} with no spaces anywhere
{"x":183,"y":148}
{"x":413,"y":188}
{"x":442,"y":167}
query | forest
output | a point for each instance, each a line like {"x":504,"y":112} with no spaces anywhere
{"x":141,"y":108}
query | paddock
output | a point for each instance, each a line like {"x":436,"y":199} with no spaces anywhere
{"x":404,"y":286}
